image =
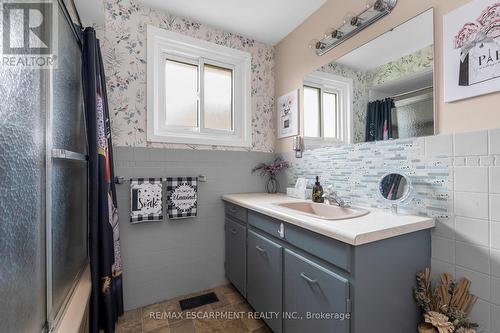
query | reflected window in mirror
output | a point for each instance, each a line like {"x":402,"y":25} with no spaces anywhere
{"x":327,"y":113}
{"x":321,"y":112}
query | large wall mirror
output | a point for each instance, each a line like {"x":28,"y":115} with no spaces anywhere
{"x":380,"y":91}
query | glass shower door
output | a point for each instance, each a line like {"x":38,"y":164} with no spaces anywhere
{"x":66,"y":175}
{"x":22,"y":200}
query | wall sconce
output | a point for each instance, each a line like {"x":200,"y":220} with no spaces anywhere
{"x":297,"y":146}
{"x":353,"y":24}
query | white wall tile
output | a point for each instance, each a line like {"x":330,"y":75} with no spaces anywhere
{"x":494,"y":179}
{"x":471,"y":143}
{"x":472,"y":160}
{"x":495,"y":290}
{"x":470,"y":204}
{"x":445,"y":227}
{"x":473,"y":257}
{"x":481,"y":314}
{"x":459,"y":161}
{"x":443,"y":249}
{"x":439,"y":145}
{"x":487,"y":160}
{"x":495,"y":207}
{"x":495,"y":318}
{"x":495,"y":262}
{"x":472,"y":230}
{"x":471,"y":179}
{"x":494,"y":141}
{"x":480,"y":282}
{"x":440,"y":267}
{"x":495,"y":235}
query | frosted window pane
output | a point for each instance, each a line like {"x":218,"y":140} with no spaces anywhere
{"x":181,"y":94}
{"x":218,"y":97}
{"x":311,"y":112}
{"x":329,"y":115}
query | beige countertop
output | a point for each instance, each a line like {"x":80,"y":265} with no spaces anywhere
{"x":377,"y":225}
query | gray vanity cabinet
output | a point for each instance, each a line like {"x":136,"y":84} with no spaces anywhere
{"x":236,"y":254}
{"x":265,"y":272}
{"x":311,"y":290}
{"x":295,"y":272}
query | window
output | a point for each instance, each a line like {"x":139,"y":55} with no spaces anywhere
{"x":198,"y":92}
{"x":327,"y":108}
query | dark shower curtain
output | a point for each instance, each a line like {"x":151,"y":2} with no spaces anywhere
{"x":379,"y":120}
{"x":106,"y":302}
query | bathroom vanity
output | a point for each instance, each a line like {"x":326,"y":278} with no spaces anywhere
{"x":314,"y":275}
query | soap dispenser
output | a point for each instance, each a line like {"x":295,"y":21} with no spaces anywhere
{"x":317,"y":193}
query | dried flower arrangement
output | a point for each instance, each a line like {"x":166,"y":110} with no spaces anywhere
{"x":447,"y":306}
{"x":271,"y":170}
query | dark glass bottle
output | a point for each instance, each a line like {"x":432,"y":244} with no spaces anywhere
{"x":317,"y":193}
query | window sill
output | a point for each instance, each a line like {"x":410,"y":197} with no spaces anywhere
{"x":202,"y":140}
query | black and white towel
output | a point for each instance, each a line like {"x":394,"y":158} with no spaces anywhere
{"x":182,"y":197}
{"x":146,"y":199}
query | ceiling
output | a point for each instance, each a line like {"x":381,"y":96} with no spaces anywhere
{"x":405,"y":39}
{"x":267,"y":21}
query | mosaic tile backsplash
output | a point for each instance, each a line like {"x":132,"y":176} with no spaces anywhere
{"x":355,"y":170}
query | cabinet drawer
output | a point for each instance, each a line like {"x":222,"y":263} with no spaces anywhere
{"x":265,"y":274}
{"x":323,"y":247}
{"x":311,"y":288}
{"x":236,"y":255}
{"x":265,"y":223}
{"x":236,"y":212}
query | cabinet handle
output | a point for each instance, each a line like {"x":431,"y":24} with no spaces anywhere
{"x":233,"y":231}
{"x":281,"y":230}
{"x":233,"y":210}
{"x":260,"y":249}
{"x":307,"y":278}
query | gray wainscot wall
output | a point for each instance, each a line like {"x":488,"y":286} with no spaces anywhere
{"x":162,"y":260}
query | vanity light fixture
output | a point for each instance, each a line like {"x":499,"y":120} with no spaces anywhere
{"x":375,"y":10}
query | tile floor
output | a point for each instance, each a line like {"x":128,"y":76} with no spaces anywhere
{"x":170,"y":318}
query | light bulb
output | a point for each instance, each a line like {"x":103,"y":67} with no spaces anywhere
{"x":315,"y":44}
{"x":328,"y":32}
{"x":348,"y":17}
{"x":379,"y":5}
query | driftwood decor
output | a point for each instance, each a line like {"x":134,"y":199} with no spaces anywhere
{"x":446,"y":307}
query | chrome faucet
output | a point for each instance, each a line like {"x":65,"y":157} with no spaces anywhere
{"x":333,"y":198}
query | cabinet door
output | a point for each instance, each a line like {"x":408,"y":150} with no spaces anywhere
{"x":236,"y":255}
{"x":312,"y":289}
{"x":265,"y":275}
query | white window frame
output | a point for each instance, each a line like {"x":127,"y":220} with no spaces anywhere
{"x":342,"y":87}
{"x":162,"y":45}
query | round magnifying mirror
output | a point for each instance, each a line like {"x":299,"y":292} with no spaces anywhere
{"x":394,"y":187}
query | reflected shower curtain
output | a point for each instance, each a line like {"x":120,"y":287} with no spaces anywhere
{"x":106,"y":303}
{"x":379,"y":120}
{"x":390,"y":186}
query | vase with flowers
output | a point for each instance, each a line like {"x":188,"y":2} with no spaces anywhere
{"x":271,"y":170}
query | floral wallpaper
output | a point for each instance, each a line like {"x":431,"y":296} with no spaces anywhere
{"x":364,"y":80}
{"x":123,"y":40}
{"x":412,"y":63}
